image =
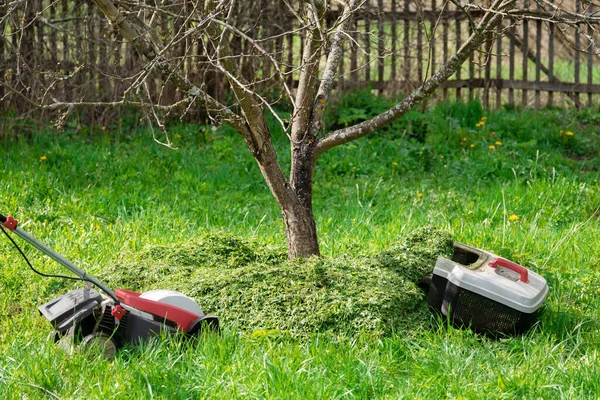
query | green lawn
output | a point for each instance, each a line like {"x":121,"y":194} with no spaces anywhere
{"x":534,"y":198}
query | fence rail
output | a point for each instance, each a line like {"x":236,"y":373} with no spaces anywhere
{"x":66,"y":50}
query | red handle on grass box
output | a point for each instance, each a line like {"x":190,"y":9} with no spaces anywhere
{"x":503,"y":262}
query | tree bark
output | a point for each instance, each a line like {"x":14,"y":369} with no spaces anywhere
{"x":300,"y":224}
{"x":300,"y":231}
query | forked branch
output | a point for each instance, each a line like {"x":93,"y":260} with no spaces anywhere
{"x":486,"y":25}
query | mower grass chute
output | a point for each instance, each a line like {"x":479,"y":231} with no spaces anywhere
{"x":110,"y":320}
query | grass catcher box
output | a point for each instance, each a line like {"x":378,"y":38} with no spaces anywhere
{"x":486,"y":292}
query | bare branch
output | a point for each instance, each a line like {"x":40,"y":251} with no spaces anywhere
{"x":306,"y":86}
{"x":262,"y":51}
{"x":486,"y":25}
{"x":333,"y":60}
{"x":141,"y":37}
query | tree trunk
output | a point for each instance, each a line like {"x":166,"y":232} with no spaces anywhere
{"x":298,"y":217}
{"x":301,"y":232}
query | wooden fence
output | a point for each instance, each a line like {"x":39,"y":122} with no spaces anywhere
{"x":65,"y":50}
{"x":531,"y":63}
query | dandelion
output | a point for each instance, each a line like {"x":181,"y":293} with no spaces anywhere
{"x":43,"y":158}
{"x":472,"y":145}
{"x":483,"y":118}
{"x":480,"y":124}
{"x":103,"y":128}
{"x":420,"y":153}
{"x":442,"y":157}
{"x":419,"y":195}
{"x":513,"y":217}
{"x":394,"y":164}
{"x":498,"y":143}
{"x":569,"y":133}
{"x":492,"y":133}
{"x":491,"y":147}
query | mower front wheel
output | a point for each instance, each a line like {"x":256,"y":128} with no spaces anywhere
{"x":99,"y":342}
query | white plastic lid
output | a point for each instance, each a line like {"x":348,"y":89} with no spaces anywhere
{"x":175,"y":299}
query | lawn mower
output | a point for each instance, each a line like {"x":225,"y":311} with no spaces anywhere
{"x":110,"y":320}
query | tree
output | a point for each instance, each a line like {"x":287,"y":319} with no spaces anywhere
{"x":325,"y":28}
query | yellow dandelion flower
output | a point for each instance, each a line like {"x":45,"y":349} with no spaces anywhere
{"x":513,"y":217}
{"x":569,"y":133}
{"x":491,"y":147}
{"x":483,"y":118}
{"x":394,"y":163}
{"x":493,"y":133}
{"x":472,"y":145}
{"x":43,"y":158}
{"x":420,"y":153}
{"x":419,"y":195}
{"x":498,"y":143}
{"x":103,"y":128}
{"x":442,"y":157}
{"x":480,"y":124}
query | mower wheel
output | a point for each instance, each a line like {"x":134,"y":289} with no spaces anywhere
{"x":99,"y":341}
{"x":208,"y":323}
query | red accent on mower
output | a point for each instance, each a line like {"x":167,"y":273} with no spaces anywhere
{"x":10,"y":223}
{"x":118,"y":312}
{"x":118,"y":317}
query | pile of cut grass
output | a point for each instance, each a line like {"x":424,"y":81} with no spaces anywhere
{"x":256,"y":290}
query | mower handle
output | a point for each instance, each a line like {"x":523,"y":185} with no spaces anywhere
{"x":57,"y":257}
{"x":503,"y":262}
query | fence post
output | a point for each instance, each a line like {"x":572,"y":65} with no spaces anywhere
{"x":406,"y":39}
{"x":538,"y":58}
{"x":445,"y":52}
{"x":354,"y":52}
{"x":458,"y":44}
{"x":590,"y":66}
{"x":511,"y":61}
{"x":380,"y":46}
{"x":525,"y":48}
{"x":551,"y":62}
{"x":577,"y":78}
{"x":367,"y":39}
{"x":498,"y":66}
